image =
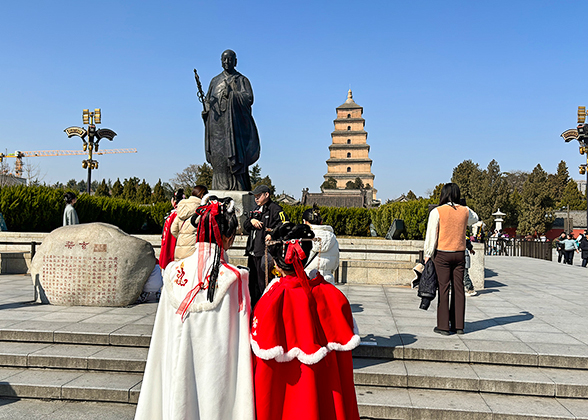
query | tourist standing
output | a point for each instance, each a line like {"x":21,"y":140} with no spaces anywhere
{"x":560,"y":247}
{"x":259,"y":224}
{"x":324,"y":255}
{"x":70,"y":217}
{"x":570,"y":247}
{"x":181,"y":228}
{"x":302,"y":335}
{"x":199,"y":361}
{"x":445,"y":243}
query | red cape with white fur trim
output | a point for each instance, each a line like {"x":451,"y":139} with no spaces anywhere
{"x":303,"y":367}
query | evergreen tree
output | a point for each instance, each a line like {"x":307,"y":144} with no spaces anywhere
{"x":535,"y":215}
{"x":144,"y":193}
{"x":559,"y":181}
{"x":572,"y":197}
{"x":357,"y":184}
{"x":204,"y":176}
{"x":117,"y":189}
{"x":102,"y":190}
{"x":255,"y":174}
{"x":411,"y":196}
{"x":516,"y":180}
{"x":329,"y":184}
{"x":130,"y":186}
{"x":467,"y":175}
{"x":158,"y":193}
{"x":94,"y":186}
{"x":82,"y":186}
{"x":72,"y":184}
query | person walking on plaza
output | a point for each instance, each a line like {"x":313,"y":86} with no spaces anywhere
{"x":570,"y":247}
{"x":181,"y":228}
{"x":560,"y":247}
{"x":259,"y":224}
{"x":70,"y":217}
{"x":302,"y":335}
{"x":445,"y":243}
{"x":199,"y":361}
{"x":324,"y":255}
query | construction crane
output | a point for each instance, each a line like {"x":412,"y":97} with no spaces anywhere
{"x":41,"y":153}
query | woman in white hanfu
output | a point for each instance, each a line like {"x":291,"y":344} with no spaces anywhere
{"x":199,"y":362}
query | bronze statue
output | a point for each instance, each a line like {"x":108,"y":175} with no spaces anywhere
{"x":231,"y":141}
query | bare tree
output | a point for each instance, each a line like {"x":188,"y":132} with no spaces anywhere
{"x":32,"y":173}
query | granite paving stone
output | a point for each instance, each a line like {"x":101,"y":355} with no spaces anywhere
{"x":16,"y":353}
{"x":86,"y":333}
{"x":97,"y":386}
{"x":70,"y":356}
{"x":37,"y":383}
{"x":514,"y":380}
{"x":511,"y":407}
{"x":125,"y":359}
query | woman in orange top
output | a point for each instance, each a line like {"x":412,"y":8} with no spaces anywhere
{"x":445,"y":243}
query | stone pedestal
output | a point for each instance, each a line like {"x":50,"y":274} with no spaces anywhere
{"x":243,"y":200}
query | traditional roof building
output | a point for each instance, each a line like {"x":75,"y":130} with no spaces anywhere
{"x":349,"y":149}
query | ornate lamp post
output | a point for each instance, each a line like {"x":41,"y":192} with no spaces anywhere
{"x":94,"y":136}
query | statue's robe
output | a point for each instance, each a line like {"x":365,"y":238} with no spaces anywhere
{"x":231,"y":139}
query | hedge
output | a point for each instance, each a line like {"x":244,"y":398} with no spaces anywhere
{"x":40,"y":209}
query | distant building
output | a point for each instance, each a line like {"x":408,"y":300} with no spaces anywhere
{"x":286,"y":199}
{"x":349,"y":149}
{"x":9,"y":179}
{"x":581,"y":185}
{"x":339,"y":198}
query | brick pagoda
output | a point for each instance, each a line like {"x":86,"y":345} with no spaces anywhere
{"x":349,"y":151}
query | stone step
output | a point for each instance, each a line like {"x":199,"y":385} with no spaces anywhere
{"x":73,"y":356}
{"x":371,"y":372}
{"x":64,"y":384}
{"x":402,"y":403}
{"x":483,"y":378}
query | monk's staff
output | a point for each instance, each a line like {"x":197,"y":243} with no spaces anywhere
{"x":200,"y":93}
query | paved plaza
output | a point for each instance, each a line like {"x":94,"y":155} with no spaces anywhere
{"x":532,"y":313}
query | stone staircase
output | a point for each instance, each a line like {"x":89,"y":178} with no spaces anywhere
{"x":391,"y":382}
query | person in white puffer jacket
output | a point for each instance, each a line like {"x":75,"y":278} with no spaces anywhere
{"x":324,"y":255}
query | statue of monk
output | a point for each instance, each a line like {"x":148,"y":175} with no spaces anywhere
{"x":231,"y":140}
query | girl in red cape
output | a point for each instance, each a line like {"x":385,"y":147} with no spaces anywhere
{"x":302,"y":335}
{"x":168,"y":241}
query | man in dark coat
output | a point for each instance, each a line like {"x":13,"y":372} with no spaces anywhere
{"x":266,"y":216}
{"x":231,"y":140}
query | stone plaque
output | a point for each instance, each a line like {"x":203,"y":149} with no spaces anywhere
{"x":93,"y":264}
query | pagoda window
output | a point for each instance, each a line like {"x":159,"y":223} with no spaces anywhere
{"x":348,"y":141}
{"x":348,"y":115}
{"x":348,"y":169}
{"x":348,"y":128}
{"x":348,"y":154}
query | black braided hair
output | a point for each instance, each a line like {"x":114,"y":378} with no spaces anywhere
{"x":285,"y":232}
{"x":227,"y":224}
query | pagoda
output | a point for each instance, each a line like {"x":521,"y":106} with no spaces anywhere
{"x":349,"y":158}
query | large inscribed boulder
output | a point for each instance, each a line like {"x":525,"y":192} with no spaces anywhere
{"x":94,"y":264}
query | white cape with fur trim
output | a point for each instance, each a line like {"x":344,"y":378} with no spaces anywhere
{"x":201,"y":368}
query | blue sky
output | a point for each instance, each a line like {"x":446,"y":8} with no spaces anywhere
{"x":440,"y":82}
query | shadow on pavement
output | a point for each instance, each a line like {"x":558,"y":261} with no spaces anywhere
{"x":489,"y":273}
{"x":501,"y":320}
{"x":14,"y":305}
{"x":356,"y":307}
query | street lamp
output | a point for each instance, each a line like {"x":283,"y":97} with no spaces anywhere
{"x":581,"y":134}
{"x":94,"y":137}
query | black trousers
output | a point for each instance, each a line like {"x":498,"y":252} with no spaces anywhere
{"x":256,"y":278}
{"x":450,"y":268}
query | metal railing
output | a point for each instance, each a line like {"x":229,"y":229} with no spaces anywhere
{"x":511,"y":247}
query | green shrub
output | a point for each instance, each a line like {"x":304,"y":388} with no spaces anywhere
{"x":343,"y":220}
{"x":414,"y":213}
{"x":40,"y":209}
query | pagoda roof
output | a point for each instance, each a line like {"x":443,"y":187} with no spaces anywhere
{"x":349,"y":103}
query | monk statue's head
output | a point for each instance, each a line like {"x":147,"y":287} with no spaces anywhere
{"x":229,"y":60}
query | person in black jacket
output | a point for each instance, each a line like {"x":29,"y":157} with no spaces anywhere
{"x":259,"y":224}
{"x":584,"y":248}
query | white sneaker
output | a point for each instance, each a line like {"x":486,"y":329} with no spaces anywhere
{"x":471,"y":292}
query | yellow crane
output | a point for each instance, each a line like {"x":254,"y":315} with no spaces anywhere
{"x":18,"y":155}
